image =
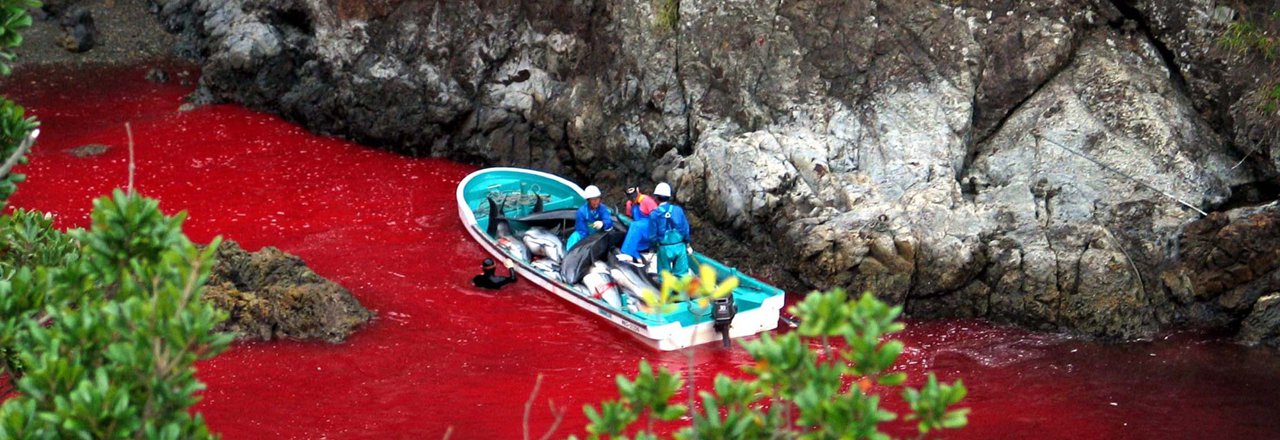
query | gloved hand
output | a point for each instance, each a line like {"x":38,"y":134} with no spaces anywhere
{"x":598,"y":225}
{"x":689,"y":249}
{"x":508,"y":262}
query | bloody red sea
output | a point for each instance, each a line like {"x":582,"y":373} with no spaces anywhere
{"x":443,"y":356}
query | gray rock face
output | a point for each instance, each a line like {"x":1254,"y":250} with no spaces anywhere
{"x":1263,"y":324}
{"x":1028,"y":162}
{"x":1227,"y":72}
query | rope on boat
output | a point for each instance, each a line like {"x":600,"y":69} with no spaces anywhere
{"x":513,"y":200}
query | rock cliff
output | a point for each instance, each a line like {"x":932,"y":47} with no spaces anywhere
{"x":1033,"y":162}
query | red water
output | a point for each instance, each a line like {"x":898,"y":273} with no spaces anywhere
{"x":443,"y":356}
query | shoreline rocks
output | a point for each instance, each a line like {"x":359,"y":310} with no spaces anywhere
{"x":1023,"y":162}
{"x":1226,"y":272}
{"x":80,"y":33}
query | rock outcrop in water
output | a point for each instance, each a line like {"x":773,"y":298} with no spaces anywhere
{"x":273,"y":295}
{"x":1262,"y":326}
{"x":1227,"y":269}
{"x":1029,"y":162}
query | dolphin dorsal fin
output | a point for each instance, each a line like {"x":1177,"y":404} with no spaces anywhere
{"x":495,"y":215}
{"x":537,"y":206}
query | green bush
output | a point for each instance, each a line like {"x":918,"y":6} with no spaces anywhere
{"x":14,"y":125}
{"x":794,"y":391}
{"x":13,"y":19}
{"x":103,"y":345}
{"x":99,"y":328}
{"x":28,"y":239}
{"x":14,"y":128}
{"x":1271,"y":101}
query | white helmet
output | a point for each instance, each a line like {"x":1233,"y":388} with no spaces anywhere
{"x":663,"y":190}
{"x":591,"y":192}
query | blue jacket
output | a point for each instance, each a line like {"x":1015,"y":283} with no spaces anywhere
{"x":587,"y":216}
{"x":668,"y":217}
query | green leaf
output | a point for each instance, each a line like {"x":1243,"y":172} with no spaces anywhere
{"x":892,"y":379}
{"x":673,"y":412}
{"x":956,"y":419}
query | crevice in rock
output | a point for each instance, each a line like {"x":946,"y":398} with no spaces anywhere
{"x":685,"y":148}
{"x":1078,"y":280}
{"x":1252,"y":193}
{"x":976,"y":146}
{"x":913,"y":278}
{"x":1132,"y":13}
{"x":970,"y":189}
{"x":768,"y":53}
{"x":296,"y":18}
{"x":453,"y":128}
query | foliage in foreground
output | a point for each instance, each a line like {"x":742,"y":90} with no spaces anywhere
{"x":102,"y":340}
{"x":13,"y":19}
{"x":794,"y":390}
{"x":99,"y":329}
{"x":14,"y":124}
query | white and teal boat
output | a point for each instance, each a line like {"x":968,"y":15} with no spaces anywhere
{"x":520,"y":193}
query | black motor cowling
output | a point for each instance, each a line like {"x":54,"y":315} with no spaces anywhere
{"x":722,"y":311}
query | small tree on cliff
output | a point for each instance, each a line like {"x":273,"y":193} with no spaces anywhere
{"x":794,"y":391}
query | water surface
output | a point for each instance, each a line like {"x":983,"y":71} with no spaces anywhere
{"x":442,"y":355}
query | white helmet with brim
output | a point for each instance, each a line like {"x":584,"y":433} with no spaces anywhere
{"x":591,"y":192}
{"x":663,"y":190}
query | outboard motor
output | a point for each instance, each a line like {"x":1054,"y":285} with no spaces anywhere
{"x":722,"y":311}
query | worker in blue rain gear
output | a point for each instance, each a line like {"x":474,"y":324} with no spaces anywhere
{"x":639,"y":206}
{"x":670,"y":233}
{"x":592,"y":217}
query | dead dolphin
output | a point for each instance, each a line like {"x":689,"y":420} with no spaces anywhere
{"x":632,"y":279}
{"x":578,"y":261}
{"x":564,"y":218}
{"x":545,"y":243}
{"x":501,"y":232}
{"x":498,"y":225}
{"x":550,"y":219}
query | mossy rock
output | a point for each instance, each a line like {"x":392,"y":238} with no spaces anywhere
{"x":270,"y":295}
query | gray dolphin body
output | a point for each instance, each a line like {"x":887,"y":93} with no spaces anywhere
{"x":578,"y":261}
{"x":543,"y":242}
{"x":550,"y":268}
{"x":565,"y":218}
{"x":501,"y":232}
{"x":632,"y":279}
